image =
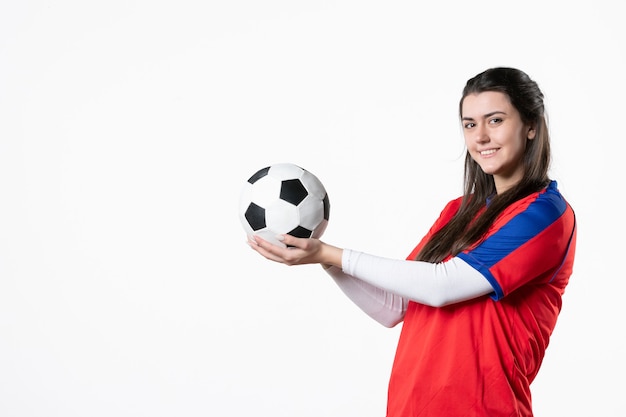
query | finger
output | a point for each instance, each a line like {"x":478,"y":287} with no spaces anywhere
{"x":266,"y":249}
{"x":260,"y":250}
{"x":292,"y":242}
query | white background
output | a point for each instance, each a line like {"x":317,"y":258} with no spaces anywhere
{"x":127,"y":129}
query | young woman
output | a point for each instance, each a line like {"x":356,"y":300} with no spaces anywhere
{"x":480,"y":294}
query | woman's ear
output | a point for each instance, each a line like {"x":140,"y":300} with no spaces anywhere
{"x":532,"y":132}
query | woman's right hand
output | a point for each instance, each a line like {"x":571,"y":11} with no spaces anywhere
{"x":299,"y":251}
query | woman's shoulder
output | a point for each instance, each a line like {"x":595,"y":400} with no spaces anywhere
{"x":453,"y":205}
{"x":544,"y":206}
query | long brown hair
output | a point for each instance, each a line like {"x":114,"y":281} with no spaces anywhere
{"x":467,"y":226}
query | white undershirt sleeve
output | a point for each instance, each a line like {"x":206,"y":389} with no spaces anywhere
{"x":383,"y":306}
{"x":436,"y":285}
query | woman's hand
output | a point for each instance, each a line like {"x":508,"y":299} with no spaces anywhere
{"x":299,"y":251}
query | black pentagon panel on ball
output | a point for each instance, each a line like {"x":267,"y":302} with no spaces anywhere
{"x":301,"y":232}
{"x":255,"y":215}
{"x":258,"y":175}
{"x":293,"y":191}
{"x":326,"y":202}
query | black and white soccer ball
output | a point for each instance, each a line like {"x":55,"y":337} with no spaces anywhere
{"x":284,"y":199}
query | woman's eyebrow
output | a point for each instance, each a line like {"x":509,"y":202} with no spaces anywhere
{"x":486,"y":115}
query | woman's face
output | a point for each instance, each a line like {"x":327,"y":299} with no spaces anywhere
{"x":495,"y":136}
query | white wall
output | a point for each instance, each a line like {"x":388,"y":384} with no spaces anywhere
{"x":128,"y":127}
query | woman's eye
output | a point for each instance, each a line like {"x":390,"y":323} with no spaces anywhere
{"x":495,"y":120}
{"x":469,"y":125}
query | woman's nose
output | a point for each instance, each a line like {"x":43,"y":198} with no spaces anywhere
{"x":480,"y":135}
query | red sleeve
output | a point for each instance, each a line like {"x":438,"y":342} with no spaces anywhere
{"x":529,"y":242}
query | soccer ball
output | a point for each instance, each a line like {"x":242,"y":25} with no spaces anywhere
{"x":284,"y":198}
